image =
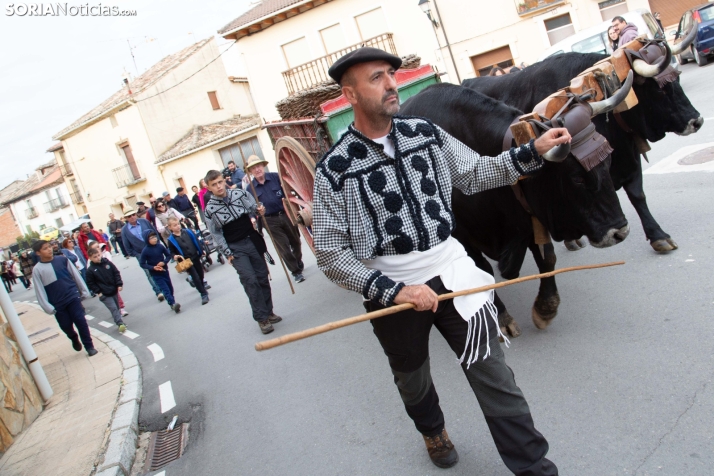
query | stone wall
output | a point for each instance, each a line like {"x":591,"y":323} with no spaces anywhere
{"x":20,"y":401}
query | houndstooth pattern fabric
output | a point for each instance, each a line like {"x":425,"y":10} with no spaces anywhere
{"x":367,"y":204}
{"x":218,"y":213}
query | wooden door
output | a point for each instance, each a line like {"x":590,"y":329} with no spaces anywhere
{"x":131,"y":162}
{"x":672,"y":10}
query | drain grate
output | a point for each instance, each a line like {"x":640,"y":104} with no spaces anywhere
{"x":166,"y":446}
{"x":699,"y":157}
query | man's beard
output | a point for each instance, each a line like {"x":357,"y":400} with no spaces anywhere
{"x":380,"y":110}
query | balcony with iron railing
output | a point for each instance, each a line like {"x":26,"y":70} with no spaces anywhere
{"x":31,"y":213}
{"x":66,"y":170}
{"x":76,"y":197}
{"x":55,"y":204}
{"x":314,"y":72}
{"x":126,"y":175}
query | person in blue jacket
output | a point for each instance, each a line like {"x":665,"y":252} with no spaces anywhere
{"x":183,"y":244}
{"x":59,"y":289}
{"x":155,"y":258}
{"x":132,"y":236}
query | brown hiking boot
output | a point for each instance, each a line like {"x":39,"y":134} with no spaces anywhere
{"x":265,"y":326}
{"x":274,"y":318}
{"x":441,"y":450}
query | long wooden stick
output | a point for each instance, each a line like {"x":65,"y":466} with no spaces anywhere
{"x":270,"y":234}
{"x":331,"y":326}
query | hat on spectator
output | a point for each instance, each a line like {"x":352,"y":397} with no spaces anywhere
{"x":361,"y":55}
{"x":140,"y":203}
{"x":128,"y":212}
{"x":165,"y":194}
{"x":254,"y":160}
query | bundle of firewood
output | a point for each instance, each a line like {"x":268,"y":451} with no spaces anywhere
{"x":306,"y":103}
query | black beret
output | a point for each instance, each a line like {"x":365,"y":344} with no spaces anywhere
{"x":361,"y":55}
{"x":139,"y":203}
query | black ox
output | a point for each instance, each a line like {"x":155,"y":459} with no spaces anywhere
{"x":567,"y":199}
{"x":660,"y":110}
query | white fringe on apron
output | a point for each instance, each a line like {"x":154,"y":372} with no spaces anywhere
{"x":449,"y":261}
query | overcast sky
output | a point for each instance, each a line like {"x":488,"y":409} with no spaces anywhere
{"x":54,"y":69}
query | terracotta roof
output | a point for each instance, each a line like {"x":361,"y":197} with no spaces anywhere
{"x":263,"y":9}
{"x":30,"y":186}
{"x":139,"y":84}
{"x":201,"y":136}
{"x":55,"y":147}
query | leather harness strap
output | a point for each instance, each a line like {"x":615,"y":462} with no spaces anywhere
{"x":540,"y":233}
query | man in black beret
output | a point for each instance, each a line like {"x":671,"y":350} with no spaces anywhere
{"x":382,"y":227}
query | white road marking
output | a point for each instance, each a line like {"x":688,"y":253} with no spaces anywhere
{"x":88,"y":317}
{"x":163,"y":473}
{"x":130,"y":335}
{"x":35,"y":302}
{"x":105,"y":324}
{"x":669,"y":164}
{"x":166,"y":394}
{"x":157,"y":351}
{"x":689,"y":261}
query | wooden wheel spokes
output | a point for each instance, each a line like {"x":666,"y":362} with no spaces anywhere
{"x":297,"y":174}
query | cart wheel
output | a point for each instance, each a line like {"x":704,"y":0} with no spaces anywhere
{"x":296,"y":168}
{"x":221,"y":259}
{"x":209,"y":260}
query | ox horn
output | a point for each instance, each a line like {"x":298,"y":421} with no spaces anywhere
{"x":651,"y":70}
{"x":686,"y":41}
{"x":607,"y":105}
{"x":558,"y":153}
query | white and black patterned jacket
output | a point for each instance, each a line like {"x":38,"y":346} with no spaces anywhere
{"x":218,"y":213}
{"x":367,"y":204}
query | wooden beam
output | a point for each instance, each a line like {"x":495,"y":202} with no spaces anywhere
{"x":254,"y":28}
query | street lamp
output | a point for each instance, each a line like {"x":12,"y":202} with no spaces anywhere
{"x":425,"y":6}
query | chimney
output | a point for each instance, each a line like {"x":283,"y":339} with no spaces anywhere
{"x":126,"y":85}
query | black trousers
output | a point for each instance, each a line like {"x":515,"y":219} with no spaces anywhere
{"x":71,"y":315}
{"x":116,"y":240}
{"x":196,"y":273}
{"x":405,"y":340}
{"x":287,"y":241}
{"x":253,"y":272}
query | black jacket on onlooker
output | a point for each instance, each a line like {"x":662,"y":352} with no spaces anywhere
{"x":103,"y":277}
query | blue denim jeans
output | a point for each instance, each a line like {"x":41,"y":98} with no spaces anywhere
{"x":156,"y":289}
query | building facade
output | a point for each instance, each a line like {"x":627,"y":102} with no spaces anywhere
{"x":288,"y":45}
{"x":112,"y":154}
{"x":40,"y":202}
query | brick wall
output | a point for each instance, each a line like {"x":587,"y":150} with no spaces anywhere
{"x":8,"y":228}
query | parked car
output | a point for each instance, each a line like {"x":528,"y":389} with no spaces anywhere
{"x":49,"y":233}
{"x":70,"y":228}
{"x":701,"y":18}
{"x":594,"y":39}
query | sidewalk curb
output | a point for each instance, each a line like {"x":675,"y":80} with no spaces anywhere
{"x":120,"y":450}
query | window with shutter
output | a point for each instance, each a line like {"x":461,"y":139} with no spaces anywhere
{"x":214,"y":100}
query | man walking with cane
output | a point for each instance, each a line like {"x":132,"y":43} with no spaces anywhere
{"x":285,"y":235}
{"x":228,"y":219}
{"x":382,"y":227}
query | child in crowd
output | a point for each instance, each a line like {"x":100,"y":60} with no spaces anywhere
{"x":103,"y":249}
{"x":183,"y":244}
{"x":155,"y":258}
{"x":59,"y":289}
{"x":105,"y":280}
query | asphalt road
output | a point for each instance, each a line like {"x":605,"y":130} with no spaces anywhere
{"x":620,"y":383}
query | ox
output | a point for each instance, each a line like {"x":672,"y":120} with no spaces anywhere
{"x":660,"y":110}
{"x":567,"y":199}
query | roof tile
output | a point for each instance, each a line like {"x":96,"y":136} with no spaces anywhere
{"x":139,"y":84}
{"x":200,"y":136}
{"x":261,"y":10}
